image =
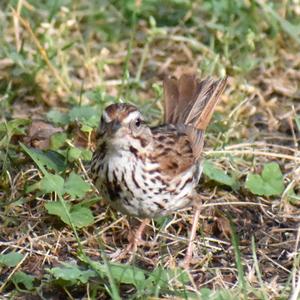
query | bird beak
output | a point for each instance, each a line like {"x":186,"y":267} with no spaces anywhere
{"x":113,"y":127}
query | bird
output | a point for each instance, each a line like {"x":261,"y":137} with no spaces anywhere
{"x":149,"y":172}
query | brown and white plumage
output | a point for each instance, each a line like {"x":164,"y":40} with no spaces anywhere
{"x":149,"y":172}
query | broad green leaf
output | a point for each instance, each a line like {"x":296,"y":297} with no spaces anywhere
{"x":219,"y":294}
{"x":297,"y":120}
{"x":126,"y":274}
{"x":52,"y":183}
{"x":86,"y":128}
{"x":72,"y":274}
{"x":12,"y":127}
{"x":57,"y":140}
{"x":23,"y":278}
{"x":48,"y":184}
{"x":57,"y":209}
{"x":76,"y":186}
{"x":86,"y":115}
{"x":122,"y":273}
{"x":50,"y":159}
{"x":205,"y":293}
{"x":79,"y":153}
{"x":11,"y":259}
{"x":58,"y":117}
{"x":218,"y":175}
{"x":99,"y":96}
{"x":269,"y":183}
{"x":86,"y":154}
{"x":162,"y":277}
{"x":74,"y":154}
{"x":82,"y":113}
{"x":80,"y":216}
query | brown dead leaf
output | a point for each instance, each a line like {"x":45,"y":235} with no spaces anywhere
{"x":81,"y":139}
{"x":39,"y":134}
{"x":224,"y":226}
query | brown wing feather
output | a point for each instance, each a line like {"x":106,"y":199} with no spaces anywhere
{"x":173,"y":150}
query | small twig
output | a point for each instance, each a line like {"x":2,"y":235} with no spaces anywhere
{"x":10,"y":244}
{"x":232,"y":203}
{"x":253,"y":152}
{"x":262,"y":144}
{"x":193,"y":42}
{"x":103,"y":230}
{"x":274,"y":262}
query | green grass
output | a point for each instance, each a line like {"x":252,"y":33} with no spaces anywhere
{"x":62,"y":62}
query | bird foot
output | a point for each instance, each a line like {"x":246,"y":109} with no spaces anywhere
{"x":135,"y":240}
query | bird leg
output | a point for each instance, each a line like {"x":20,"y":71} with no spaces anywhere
{"x":135,"y":240}
{"x":135,"y":236}
{"x":189,"y":252}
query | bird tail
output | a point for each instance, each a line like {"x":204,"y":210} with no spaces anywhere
{"x":191,"y":102}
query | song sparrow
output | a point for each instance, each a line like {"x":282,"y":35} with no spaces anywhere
{"x":153,"y":171}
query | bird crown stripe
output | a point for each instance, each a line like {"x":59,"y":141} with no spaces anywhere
{"x":131,"y":116}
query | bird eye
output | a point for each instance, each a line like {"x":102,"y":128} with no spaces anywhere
{"x":138,"y":122}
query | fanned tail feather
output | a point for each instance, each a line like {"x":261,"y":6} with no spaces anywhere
{"x":191,"y":102}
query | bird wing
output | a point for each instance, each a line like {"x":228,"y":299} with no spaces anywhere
{"x":173,"y":150}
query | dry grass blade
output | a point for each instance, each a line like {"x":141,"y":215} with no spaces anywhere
{"x":253,"y":153}
{"x":42,"y":50}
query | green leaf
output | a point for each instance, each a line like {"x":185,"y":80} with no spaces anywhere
{"x":79,"y":153}
{"x":86,"y":154}
{"x":23,"y":278}
{"x":86,"y":115}
{"x":50,"y":159}
{"x":11,"y":259}
{"x":205,"y":293}
{"x":297,"y":120}
{"x":80,"y":216}
{"x":14,"y":126}
{"x":58,"y":117}
{"x":57,"y":209}
{"x":293,"y":198}
{"x":122,"y":273}
{"x":58,"y":140}
{"x":126,"y":274}
{"x":52,"y":183}
{"x":86,"y":128}
{"x":72,"y":274}
{"x":74,"y":154}
{"x":269,"y":183}
{"x":218,"y":175}
{"x":161,"y":277}
{"x":76,"y":186}
{"x":11,"y":128}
